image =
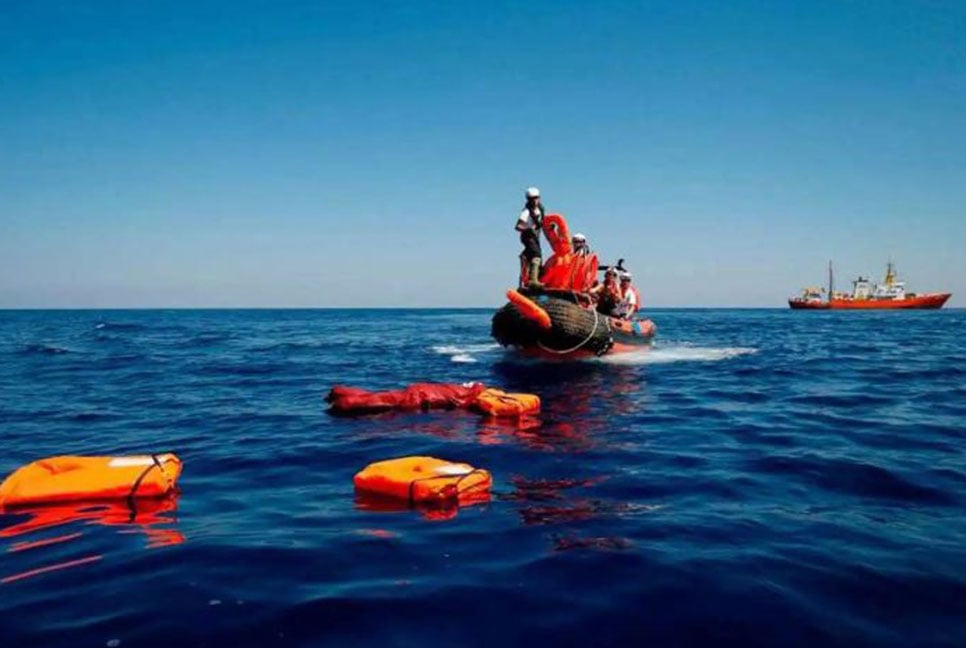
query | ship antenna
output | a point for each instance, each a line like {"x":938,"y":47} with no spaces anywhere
{"x":831,"y":284}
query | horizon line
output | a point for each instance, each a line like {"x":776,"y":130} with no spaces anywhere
{"x":359,"y":308}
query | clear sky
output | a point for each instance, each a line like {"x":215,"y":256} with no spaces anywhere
{"x":376,"y":153}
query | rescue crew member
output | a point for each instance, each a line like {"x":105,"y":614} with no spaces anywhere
{"x":530,"y":224}
{"x":579,"y":244}
{"x":607,"y":294}
{"x":629,"y":298}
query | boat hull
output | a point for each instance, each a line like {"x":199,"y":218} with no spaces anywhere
{"x":926,"y":301}
{"x":574,"y":331}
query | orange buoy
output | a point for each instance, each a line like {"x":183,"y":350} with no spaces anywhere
{"x":496,"y":402}
{"x":424,"y":479}
{"x":529,"y":309}
{"x":65,"y":479}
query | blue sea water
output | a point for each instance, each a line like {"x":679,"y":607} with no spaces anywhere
{"x":758,"y":477}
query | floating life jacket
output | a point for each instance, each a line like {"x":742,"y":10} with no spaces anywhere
{"x":424,"y":480}
{"x":65,"y":479}
{"x":352,"y":400}
{"x":496,"y":402}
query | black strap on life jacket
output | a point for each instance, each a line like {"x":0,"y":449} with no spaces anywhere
{"x":155,"y":463}
{"x":412,"y":484}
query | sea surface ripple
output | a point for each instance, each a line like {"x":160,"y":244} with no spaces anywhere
{"x":758,"y":477}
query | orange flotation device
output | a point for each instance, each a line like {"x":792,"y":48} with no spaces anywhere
{"x":496,"y":402}
{"x":557,"y":272}
{"x":419,"y":396}
{"x":584,"y":273}
{"x":558,"y":234}
{"x":65,"y":479}
{"x":529,"y":309}
{"x":424,"y":480}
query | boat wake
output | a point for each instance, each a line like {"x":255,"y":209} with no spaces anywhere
{"x":677,"y":353}
{"x":465,"y":353}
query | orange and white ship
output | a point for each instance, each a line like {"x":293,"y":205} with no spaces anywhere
{"x":890,"y":294}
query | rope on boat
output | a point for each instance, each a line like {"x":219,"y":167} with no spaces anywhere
{"x":572,"y":349}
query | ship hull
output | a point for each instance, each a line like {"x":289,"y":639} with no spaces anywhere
{"x":919,"y":302}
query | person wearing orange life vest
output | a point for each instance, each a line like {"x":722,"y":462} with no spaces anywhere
{"x":630,"y":299}
{"x":530,"y":224}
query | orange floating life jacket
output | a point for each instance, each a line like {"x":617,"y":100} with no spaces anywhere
{"x":424,"y":479}
{"x":65,"y":479}
{"x":496,"y":402}
{"x":352,"y":400}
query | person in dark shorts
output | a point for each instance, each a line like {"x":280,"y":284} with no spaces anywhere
{"x":529,"y":224}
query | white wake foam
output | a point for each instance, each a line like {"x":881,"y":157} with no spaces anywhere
{"x":665,"y":355}
{"x":464,"y":353}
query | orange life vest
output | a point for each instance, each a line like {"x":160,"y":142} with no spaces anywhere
{"x":496,"y":402}
{"x":557,"y":233}
{"x":64,"y":479}
{"x":424,"y":479}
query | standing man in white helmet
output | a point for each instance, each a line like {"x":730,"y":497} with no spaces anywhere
{"x":530,"y":224}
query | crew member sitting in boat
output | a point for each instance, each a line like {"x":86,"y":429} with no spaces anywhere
{"x":530,"y":224}
{"x":579,"y":244}
{"x":607,"y":295}
{"x":630,"y":299}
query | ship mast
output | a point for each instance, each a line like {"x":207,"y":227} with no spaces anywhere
{"x":831,"y":284}
{"x":890,"y":273}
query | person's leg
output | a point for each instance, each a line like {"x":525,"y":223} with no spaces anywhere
{"x":535,"y":264}
{"x":534,"y":256}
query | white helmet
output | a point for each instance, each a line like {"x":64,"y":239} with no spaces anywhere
{"x":580,"y":237}
{"x":626,"y":276}
{"x":533,"y":192}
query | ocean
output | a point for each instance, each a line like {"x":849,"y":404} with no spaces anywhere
{"x":757,"y":477}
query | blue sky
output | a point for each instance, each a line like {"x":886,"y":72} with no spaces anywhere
{"x":376,"y":154}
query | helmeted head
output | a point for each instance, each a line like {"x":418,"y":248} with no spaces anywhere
{"x":533,"y":193}
{"x":578,"y":241}
{"x":626,"y":278}
{"x":610,"y":275}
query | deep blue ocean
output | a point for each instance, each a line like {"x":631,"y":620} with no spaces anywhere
{"x":758,"y":477}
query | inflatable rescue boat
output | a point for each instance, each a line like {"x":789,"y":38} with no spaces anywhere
{"x":560,"y":319}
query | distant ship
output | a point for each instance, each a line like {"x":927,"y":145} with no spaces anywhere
{"x":890,"y":294}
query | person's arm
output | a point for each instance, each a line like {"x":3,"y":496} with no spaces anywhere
{"x":523,"y":223}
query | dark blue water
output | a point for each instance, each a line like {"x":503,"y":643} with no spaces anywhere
{"x":759,"y":477}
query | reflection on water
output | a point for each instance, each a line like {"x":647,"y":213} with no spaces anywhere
{"x":550,"y":502}
{"x":579,"y":404}
{"x":150,"y":517}
{"x":437,"y":511}
{"x":582,"y":388}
